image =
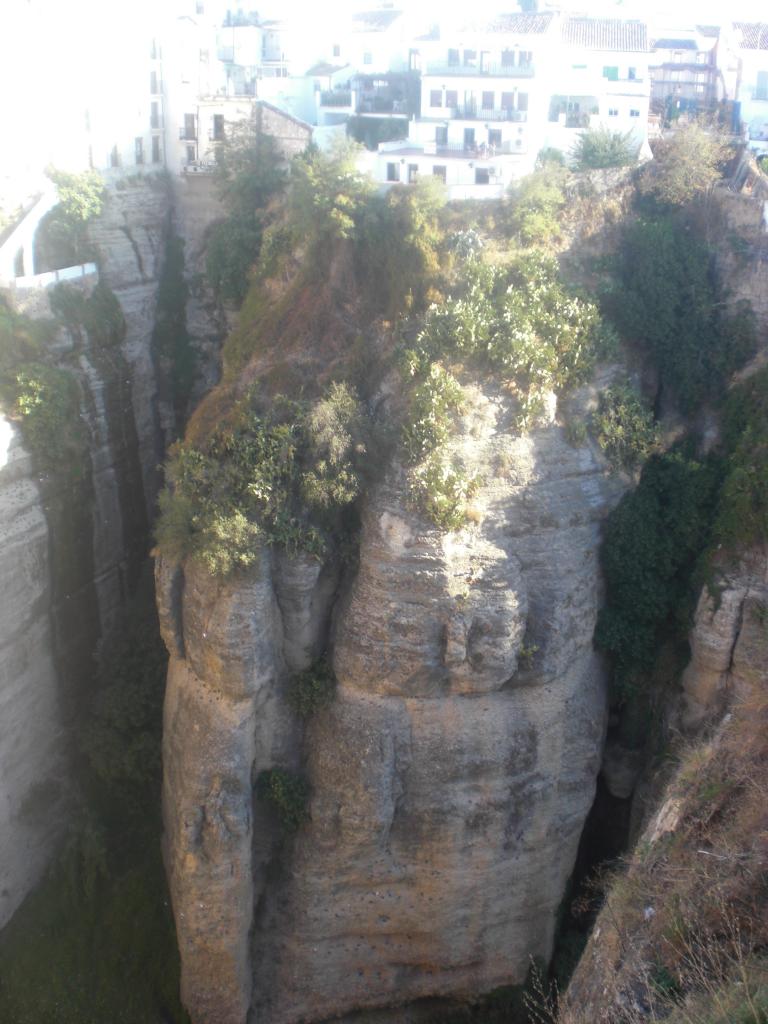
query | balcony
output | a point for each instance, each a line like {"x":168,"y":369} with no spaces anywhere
{"x":336,"y":98}
{"x":476,"y":151}
{"x":471,"y":112}
{"x":382,"y":105}
{"x":485,"y":69}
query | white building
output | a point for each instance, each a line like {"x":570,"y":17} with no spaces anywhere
{"x":602,"y":81}
{"x":752,"y":94}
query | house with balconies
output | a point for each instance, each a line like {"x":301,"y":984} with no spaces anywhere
{"x":484,"y":99}
{"x":684,"y":73}
{"x":751,"y":45}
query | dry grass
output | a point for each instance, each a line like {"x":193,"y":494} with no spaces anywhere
{"x":683,"y":932}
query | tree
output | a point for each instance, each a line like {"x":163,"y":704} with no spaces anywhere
{"x":685,"y":166}
{"x":600,"y":147}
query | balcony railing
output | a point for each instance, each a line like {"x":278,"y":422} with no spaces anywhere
{"x":336,"y":98}
{"x":497,"y":70}
{"x":188,"y":134}
{"x":381,"y":105}
{"x":471,"y":112}
{"x":475,"y":151}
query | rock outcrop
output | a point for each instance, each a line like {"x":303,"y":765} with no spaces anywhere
{"x":450,"y":777}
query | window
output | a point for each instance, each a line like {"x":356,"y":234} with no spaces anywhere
{"x":507,"y":58}
{"x":153,"y":50}
{"x":439,"y":172}
{"x":451,"y":98}
{"x":154,"y":117}
{"x":413,"y":172}
{"x":613,"y":112}
{"x":634,"y":113}
{"x":611,"y":73}
{"x":153,"y":83}
{"x":336,"y":50}
{"x":190,"y":154}
{"x":761,"y":86}
{"x":525,"y":58}
{"x":393,"y":172}
{"x":522,"y":101}
{"x":507,"y":101}
{"x":453,"y":58}
{"x":114,"y":158}
{"x":441,"y":136}
{"x":482,"y":177}
{"x":435,"y":98}
{"x":470,"y":58}
{"x":488,"y":101}
{"x":155,"y":149}
{"x":469,"y":138}
{"x":138,"y":148}
{"x":494,"y":137}
{"x":367,"y":57}
{"x":218,"y":127}
{"x":189,"y":127}
{"x":632,"y":74}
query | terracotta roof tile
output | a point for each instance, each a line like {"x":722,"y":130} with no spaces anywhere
{"x":606,"y":34}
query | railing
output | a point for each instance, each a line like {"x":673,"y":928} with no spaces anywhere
{"x":336,"y":98}
{"x":381,"y":105}
{"x":471,"y":112}
{"x":188,"y":136}
{"x":476,"y":151}
{"x":497,"y":70}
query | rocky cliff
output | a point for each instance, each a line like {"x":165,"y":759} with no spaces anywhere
{"x":450,"y":777}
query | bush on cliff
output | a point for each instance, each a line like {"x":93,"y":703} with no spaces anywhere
{"x":313,"y":689}
{"x":287,"y":794}
{"x":624,"y":427}
{"x":278,"y":478}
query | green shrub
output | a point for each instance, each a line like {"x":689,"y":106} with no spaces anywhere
{"x":670,"y":303}
{"x":433,"y":401}
{"x":598,"y":148}
{"x":684,"y":167}
{"x":62,"y":236}
{"x":48,"y":408}
{"x":287,"y":794}
{"x":624,"y":427}
{"x":263,"y":479}
{"x":440,"y":489}
{"x":651,"y":545}
{"x":536,"y":203}
{"x":313,"y":689}
{"x":81,"y":195}
{"x":99,"y":313}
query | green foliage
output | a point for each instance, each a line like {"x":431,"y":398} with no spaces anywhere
{"x":313,"y":689}
{"x":327,"y":198}
{"x":536,"y":203}
{"x":263,"y":479}
{"x":600,"y":148}
{"x":670,"y":302}
{"x":81,"y":195}
{"x":651,"y":545}
{"x":742,"y":514}
{"x":624,"y":427}
{"x":288,"y":795}
{"x":250,"y":174}
{"x":48,"y":409}
{"x":170,"y":338}
{"x":22,"y":340}
{"x":440,"y":488}
{"x":433,"y":401}
{"x":397,"y":255}
{"x":371,"y":131}
{"x":684,"y":167}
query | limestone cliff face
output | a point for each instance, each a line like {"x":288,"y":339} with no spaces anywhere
{"x":450,"y":777}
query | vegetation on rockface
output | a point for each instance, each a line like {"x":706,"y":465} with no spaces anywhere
{"x":536,"y":203}
{"x":287,"y":794}
{"x":685,"y":166}
{"x":250,"y":175}
{"x":598,"y":148}
{"x":313,"y":689}
{"x":63,"y":231}
{"x":171,"y":342}
{"x":98,"y":314}
{"x":624,"y":427}
{"x":95,"y":941}
{"x":651,"y":546}
{"x":282,"y":477}
{"x":670,"y":303}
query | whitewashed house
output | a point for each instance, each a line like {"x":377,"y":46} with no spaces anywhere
{"x":685,"y":77}
{"x":602,"y":81}
{"x":752,"y":93}
{"x":484,"y":101}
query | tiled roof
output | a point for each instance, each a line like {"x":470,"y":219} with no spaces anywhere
{"x":754,"y":35}
{"x":606,"y":34}
{"x":374,"y":21}
{"x":673,"y":44}
{"x":521,"y":24}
